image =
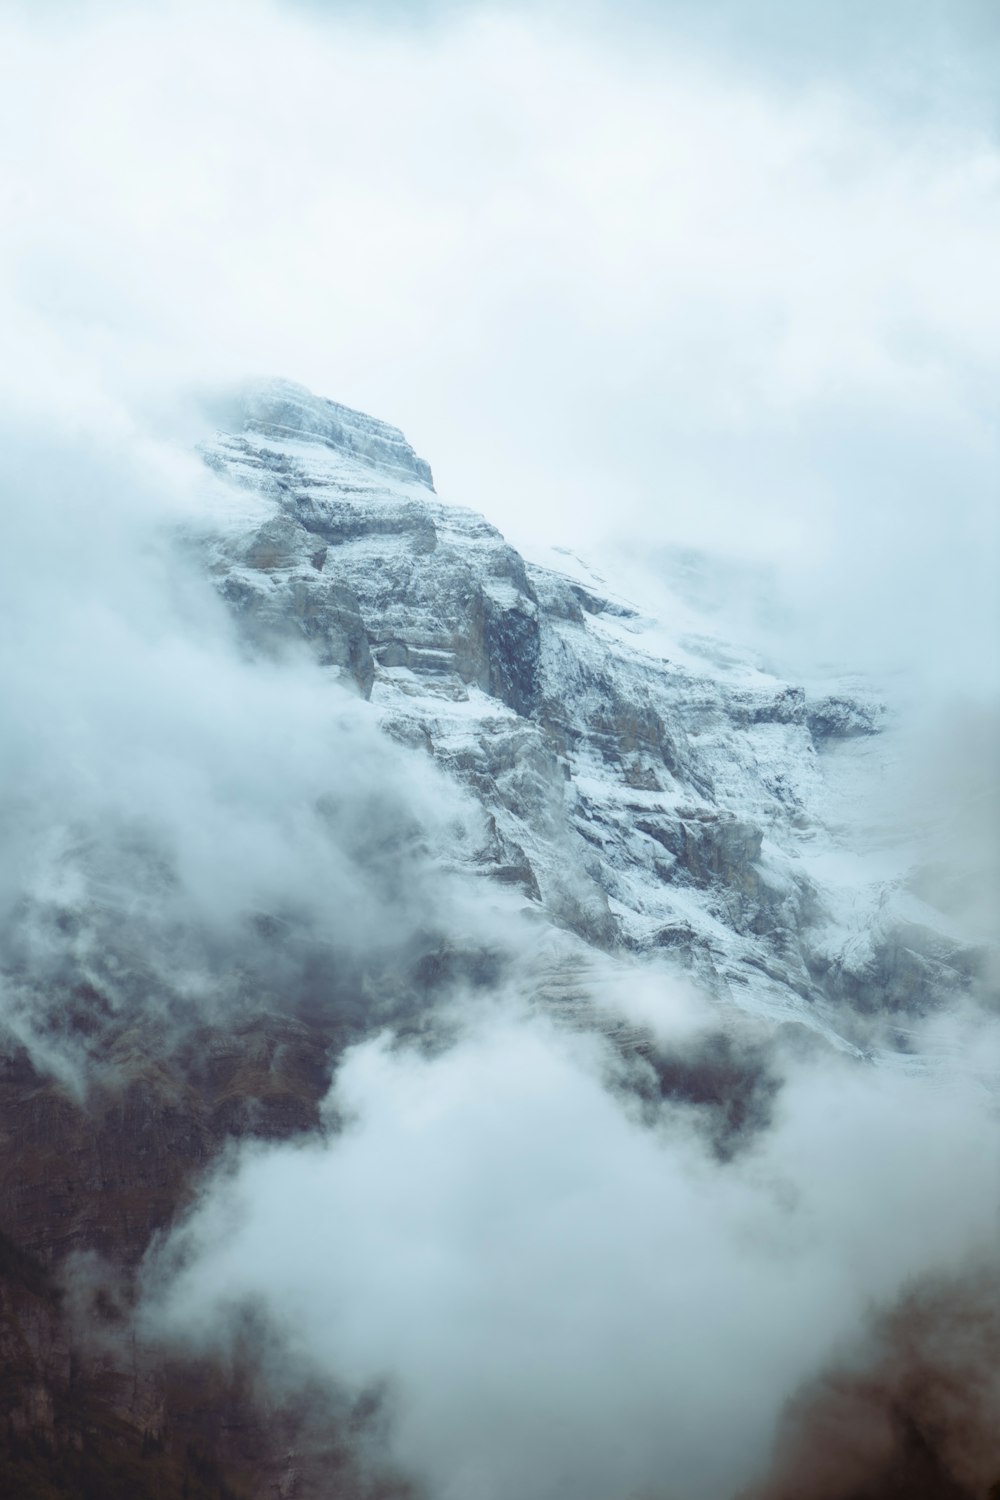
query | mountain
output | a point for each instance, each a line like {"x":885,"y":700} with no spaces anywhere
{"x":630,"y":797}
{"x":648,"y":791}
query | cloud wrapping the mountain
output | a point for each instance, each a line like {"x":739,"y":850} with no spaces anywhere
{"x":164,"y":795}
{"x":612,"y":288}
{"x":555,"y":1298}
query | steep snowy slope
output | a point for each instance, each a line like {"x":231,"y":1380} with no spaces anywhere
{"x":649,"y":786}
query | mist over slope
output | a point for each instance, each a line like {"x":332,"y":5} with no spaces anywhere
{"x":604,"y":1259}
{"x":479,"y":1020}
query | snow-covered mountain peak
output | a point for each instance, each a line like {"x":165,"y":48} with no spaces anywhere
{"x":647,"y":785}
{"x":284,"y":411}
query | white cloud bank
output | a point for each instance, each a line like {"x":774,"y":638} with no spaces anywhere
{"x":559,"y":1300}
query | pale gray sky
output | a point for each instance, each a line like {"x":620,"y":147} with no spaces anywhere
{"x":720,"y":274}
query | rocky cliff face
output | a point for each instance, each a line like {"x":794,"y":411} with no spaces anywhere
{"x":645,"y":792}
{"x":658,"y":797}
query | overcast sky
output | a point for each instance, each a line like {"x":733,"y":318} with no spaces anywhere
{"x":659,"y":273}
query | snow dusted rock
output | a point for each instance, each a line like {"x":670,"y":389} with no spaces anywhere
{"x":280,"y":409}
{"x":650,"y":791}
{"x":839,"y":718}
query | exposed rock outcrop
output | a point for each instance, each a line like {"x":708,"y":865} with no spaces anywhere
{"x":631,"y":795}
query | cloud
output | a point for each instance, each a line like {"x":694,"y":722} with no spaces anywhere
{"x":619,"y":280}
{"x":186,"y":829}
{"x":556,"y":1298}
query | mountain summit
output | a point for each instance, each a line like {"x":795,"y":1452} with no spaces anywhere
{"x":381,"y":886}
{"x":652,"y":793}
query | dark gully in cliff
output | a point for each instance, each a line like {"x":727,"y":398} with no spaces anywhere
{"x":461,"y":1036}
